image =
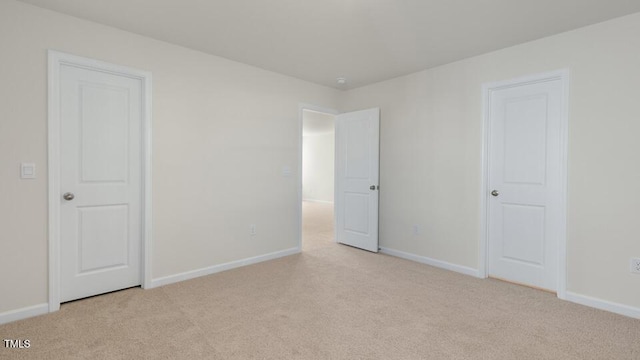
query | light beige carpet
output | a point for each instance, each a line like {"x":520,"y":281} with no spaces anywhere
{"x":330,"y":302}
{"x":317,"y":225}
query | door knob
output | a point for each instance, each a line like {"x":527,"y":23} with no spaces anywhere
{"x":372,"y":187}
{"x":68,"y":196}
{"x":495,"y":193}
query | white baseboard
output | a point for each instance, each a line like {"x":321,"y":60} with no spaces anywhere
{"x":221,"y":267}
{"x":433,"y":262}
{"x":24,"y":313}
{"x":318,"y":201}
{"x":606,"y":305}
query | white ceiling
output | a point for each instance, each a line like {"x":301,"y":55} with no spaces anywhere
{"x":316,"y":123}
{"x":363,"y":40}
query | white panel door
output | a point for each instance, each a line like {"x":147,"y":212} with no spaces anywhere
{"x":357,"y":163}
{"x":524,"y":180}
{"x":100,"y":182}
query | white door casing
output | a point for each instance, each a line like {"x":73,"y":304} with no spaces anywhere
{"x":357,"y":172}
{"x":100,"y":159}
{"x":526,"y":155}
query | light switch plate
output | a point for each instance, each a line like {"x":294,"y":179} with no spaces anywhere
{"x":28,"y":171}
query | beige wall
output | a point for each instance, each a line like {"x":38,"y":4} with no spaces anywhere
{"x":431,"y":141}
{"x":216,"y":124}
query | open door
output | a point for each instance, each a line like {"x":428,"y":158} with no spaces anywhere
{"x":357,"y":163}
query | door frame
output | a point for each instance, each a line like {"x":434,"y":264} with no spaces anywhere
{"x":487,"y":88}
{"x":301,"y":108}
{"x":56,"y":60}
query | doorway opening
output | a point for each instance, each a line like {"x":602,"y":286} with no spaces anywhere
{"x":318,"y":179}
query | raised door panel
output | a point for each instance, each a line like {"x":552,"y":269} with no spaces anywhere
{"x":523,"y":234}
{"x":104,"y":124}
{"x":525,"y":139}
{"x":357,"y":206}
{"x":357,"y":150}
{"x":103,"y":238}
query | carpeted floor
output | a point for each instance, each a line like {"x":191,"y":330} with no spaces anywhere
{"x":317,"y":225}
{"x":330,"y":302}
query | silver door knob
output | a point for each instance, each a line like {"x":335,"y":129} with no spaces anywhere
{"x":495,"y":193}
{"x":372,"y":187}
{"x":68,"y":196}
